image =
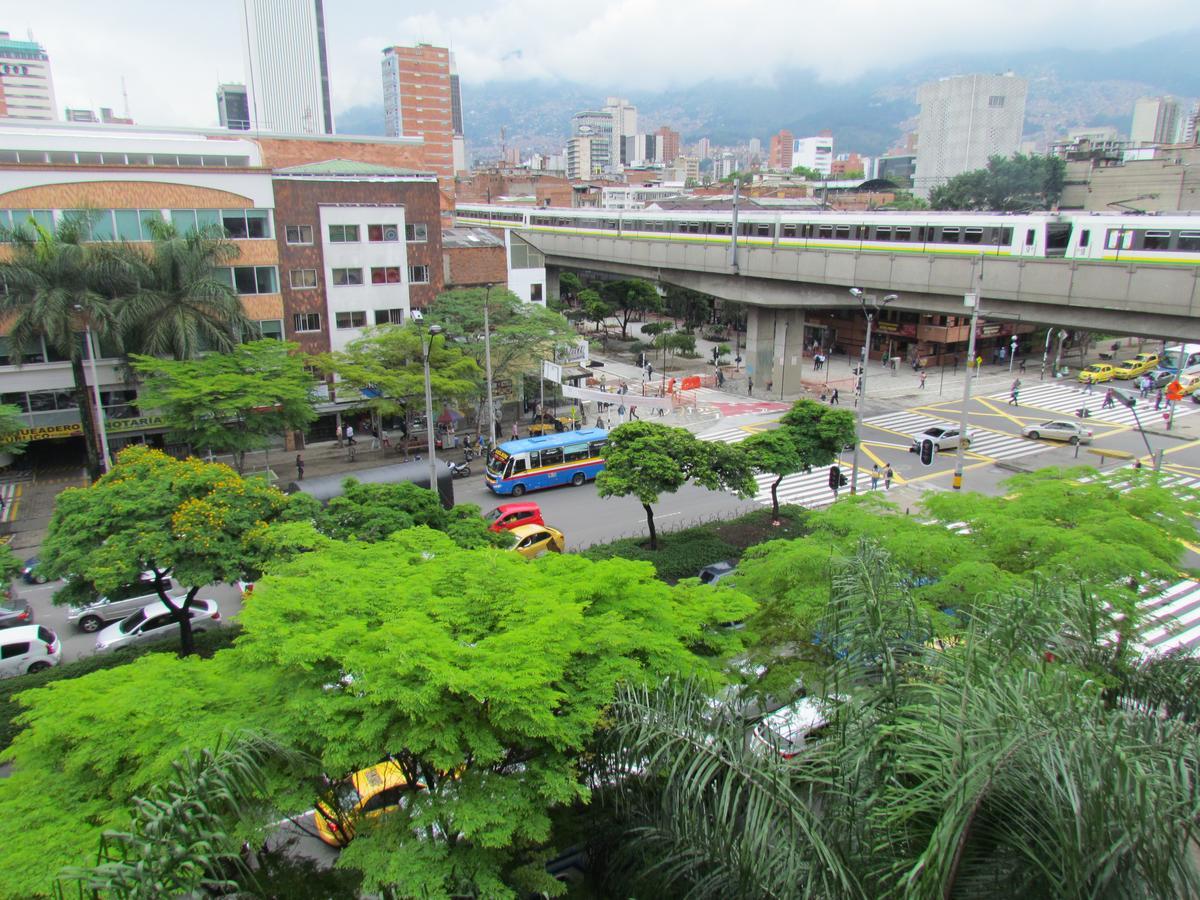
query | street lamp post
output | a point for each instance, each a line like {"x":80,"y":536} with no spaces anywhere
{"x":426,"y":346}
{"x":1045,"y":353}
{"x":1012,"y":353}
{"x":862,"y":377}
{"x":101,"y":430}
{"x":971,"y":300}
{"x":487,"y":361}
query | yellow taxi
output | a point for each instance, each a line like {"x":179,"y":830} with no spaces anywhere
{"x":367,"y":794}
{"x":1097,"y":372}
{"x":532,"y":541}
{"x":1139,"y":365}
{"x":548,"y":424}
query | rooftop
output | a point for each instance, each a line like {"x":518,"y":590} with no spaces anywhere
{"x":349,"y":168}
{"x":469,"y":237}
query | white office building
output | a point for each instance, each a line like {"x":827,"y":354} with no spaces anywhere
{"x":965,"y":120}
{"x":287,"y":67}
{"x":1156,"y":120}
{"x":26,"y":88}
{"x":814,"y":153}
{"x":624,"y":117}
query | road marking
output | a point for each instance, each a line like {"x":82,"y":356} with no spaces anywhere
{"x":1002,"y":413}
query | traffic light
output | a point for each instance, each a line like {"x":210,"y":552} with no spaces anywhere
{"x":928,"y":451}
{"x":835,"y":478}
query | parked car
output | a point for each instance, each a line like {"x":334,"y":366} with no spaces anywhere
{"x":15,"y":616}
{"x":944,"y":438}
{"x":791,"y":729}
{"x":1097,"y":372}
{"x":1058,"y":430}
{"x":532,"y":541}
{"x":28,"y":648}
{"x":153,"y":622}
{"x":509,"y":515}
{"x":121,"y":603}
{"x":366,"y":794}
{"x":31,"y":573}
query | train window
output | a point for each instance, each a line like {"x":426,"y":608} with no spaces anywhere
{"x":1156,"y":240}
{"x":883,"y":233}
{"x":1189,"y":241}
{"x":861,"y":232}
{"x":949,"y":235}
{"x":1030,"y":237}
{"x":903,"y":232}
{"x":1113,"y":239}
{"x":842,"y":232}
{"x":763,"y":230}
{"x":825,"y":231}
{"x":1006,"y":235}
{"x":609,"y":224}
{"x":789,"y":231}
{"x":1084,"y":237}
{"x":721,"y":228}
{"x":973,"y":236}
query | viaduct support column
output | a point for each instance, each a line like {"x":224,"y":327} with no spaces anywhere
{"x":774,"y":351}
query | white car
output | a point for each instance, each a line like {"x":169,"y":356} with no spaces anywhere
{"x":153,"y":622}
{"x":122,"y":602}
{"x":28,"y":648}
{"x":1058,"y":430}
{"x":944,"y":438}
{"x":789,"y":730}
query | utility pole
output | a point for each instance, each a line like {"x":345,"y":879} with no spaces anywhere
{"x":971,"y":300}
{"x":862,"y":377}
{"x":487,"y":362}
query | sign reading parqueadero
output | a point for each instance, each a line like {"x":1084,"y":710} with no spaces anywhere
{"x":114,"y":426}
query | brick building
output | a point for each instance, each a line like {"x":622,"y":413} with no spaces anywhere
{"x":779,"y":156}
{"x":473,"y":257}
{"x":421,"y":99}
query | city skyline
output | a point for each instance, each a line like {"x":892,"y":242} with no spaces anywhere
{"x":172,"y":82}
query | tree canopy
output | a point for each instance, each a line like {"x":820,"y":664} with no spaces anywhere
{"x":231,"y":402}
{"x":630,"y":297}
{"x":485,"y":675}
{"x":12,"y":423}
{"x":646,"y":460}
{"x":1009,"y":184}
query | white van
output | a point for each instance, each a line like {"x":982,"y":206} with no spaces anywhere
{"x":29,"y":648}
{"x":1187,"y":354}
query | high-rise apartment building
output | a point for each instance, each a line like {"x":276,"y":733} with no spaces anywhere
{"x":287,"y":67}
{"x":755,"y":147}
{"x":1190,"y":125}
{"x":669,"y":141}
{"x":624,"y":117}
{"x":779,"y":155}
{"x":421,"y":99}
{"x":965,"y":120}
{"x":814,"y":152}
{"x":1156,"y":120}
{"x":26,"y":88}
{"x":579,"y":155}
{"x":597,"y":126}
{"x":233,"y":107}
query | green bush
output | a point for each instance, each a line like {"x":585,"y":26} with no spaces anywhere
{"x":207,"y":643}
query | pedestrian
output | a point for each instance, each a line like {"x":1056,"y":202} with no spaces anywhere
{"x":621,"y":412}
{"x":1137,"y":463}
{"x":921,"y":378}
{"x":1109,"y":399}
{"x":1021,"y":366}
{"x":374,"y":438}
{"x":633,"y":413}
{"x":1089,"y":386}
{"x":833,"y":398}
{"x":835,"y":480}
{"x":384,"y":438}
{"x":1158,"y":399}
{"x":720,"y":378}
{"x":516,"y":431}
{"x":887,"y":477}
{"x":978,"y":363}
{"x":299,"y":467}
{"x":955,"y":365}
{"x":1012,"y":397}
{"x":875,"y":477}
{"x":339,"y":434}
{"x":350,"y":435}
{"x":750,"y":388}
{"x":599,"y":422}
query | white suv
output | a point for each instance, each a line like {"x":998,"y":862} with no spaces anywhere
{"x":28,"y":648}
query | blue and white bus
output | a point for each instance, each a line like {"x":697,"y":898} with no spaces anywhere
{"x":571,"y":457}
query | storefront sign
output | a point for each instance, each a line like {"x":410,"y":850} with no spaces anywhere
{"x":72,"y":429}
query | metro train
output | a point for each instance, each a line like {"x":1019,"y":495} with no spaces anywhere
{"x":1125,"y":239}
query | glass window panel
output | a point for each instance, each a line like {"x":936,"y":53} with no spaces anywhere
{"x":188,"y":160}
{"x":207,"y":219}
{"x":243,"y":278}
{"x":102,"y":225}
{"x":258,"y":223}
{"x":224,"y":274}
{"x":129,"y":224}
{"x":267,"y":281}
{"x":148,"y":217}
{"x":88,"y":159}
{"x":234,"y":221}
{"x":18,"y":399}
{"x":4,"y":361}
{"x":41,"y":401}
{"x":165,"y":159}
{"x":137,"y":159}
{"x":271,"y":328}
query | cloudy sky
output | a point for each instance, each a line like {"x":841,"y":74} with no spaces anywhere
{"x":172,"y":53}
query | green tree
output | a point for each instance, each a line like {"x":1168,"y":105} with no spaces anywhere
{"x":774,"y":452}
{"x":808,"y":174}
{"x":629,"y":297}
{"x":1009,"y":184}
{"x":906,"y":201}
{"x":485,"y":675}
{"x":12,"y":423}
{"x":230,"y":402}
{"x":595,"y":307}
{"x":372,"y":512}
{"x":200,"y":523}
{"x":388,"y":360}
{"x":182,"y":306}
{"x":56,"y":285}
{"x":742,"y":178}
{"x":693,"y":307}
{"x":569,"y":285}
{"x":646,"y":459}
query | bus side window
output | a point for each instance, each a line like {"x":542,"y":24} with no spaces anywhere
{"x":595,"y":448}
{"x":517,"y":467}
{"x":576,"y":453}
{"x":552,"y":456}
{"x":534,"y":459}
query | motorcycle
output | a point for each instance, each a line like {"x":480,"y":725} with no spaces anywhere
{"x":459,"y":470}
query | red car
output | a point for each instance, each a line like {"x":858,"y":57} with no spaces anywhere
{"x":510,"y":515}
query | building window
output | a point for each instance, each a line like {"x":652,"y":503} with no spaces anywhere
{"x":299,"y":234}
{"x":356,"y":319}
{"x":302,"y":279}
{"x":306,"y":321}
{"x":996,"y":102}
{"x":389,"y":316}
{"x":416,"y":232}
{"x":343,"y":234}
{"x":379,"y":233}
{"x":418,"y":274}
{"x":245,"y":223}
{"x":535,"y":293}
{"x":385,"y":275}
{"x":251,"y":279}
{"x":270,"y":328}
{"x":526,"y":256}
{"x":347,"y":277}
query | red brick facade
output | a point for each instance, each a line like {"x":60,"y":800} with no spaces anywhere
{"x":298,"y":202}
{"x":425,"y":106}
{"x":489,"y":187}
{"x":282,"y":152}
{"x":473,"y":266}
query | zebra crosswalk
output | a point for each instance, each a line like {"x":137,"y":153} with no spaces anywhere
{"x":730,"y":435}
{"x":1172,"y":619}
{"x":9,"y":494}
{"x":810,"y":489}
{"x":1067,"y":399}
{"x":988,"y":444}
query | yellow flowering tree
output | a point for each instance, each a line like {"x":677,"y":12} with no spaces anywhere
{"x":199,"y":522}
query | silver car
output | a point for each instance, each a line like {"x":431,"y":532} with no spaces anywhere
{"x":121,"y":603}
{"x":154,"y":622}
{"x":943,"y":437}
{"x":1058,"y":430}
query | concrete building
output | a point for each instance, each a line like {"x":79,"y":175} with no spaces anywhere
{"x":755,"y":147}
{"x":473,"y":257}
{"x":1156,"y":120}
{"x":623,"y":115}
{"x":1115,"y":181}
{"x":106,"y":117}
{"x":779,"y":155}
{"x":898,"y":169}
{"x":814,"y":152}
{"x":964,"y":120}
{"x":669,"y":140}
{"x":421,"y":98}
{"x":26,"y":86}
{"x":703,"y":148}
{"x":80,"y":115}
{"x":1190,"y":129}
{"x":600,"y":152}
{"x":287,"y":67}
{"x":233,"y":107}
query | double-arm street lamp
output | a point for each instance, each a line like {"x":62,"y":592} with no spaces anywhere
{"x":870,"y":312}
{"x":426,"y":346}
